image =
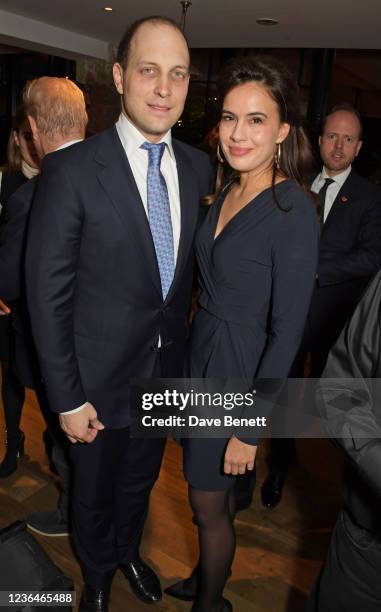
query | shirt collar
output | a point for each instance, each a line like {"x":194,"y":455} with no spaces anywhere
{"x":132,"y":139}
{"x":68,"y":144}
{"x":338,"y":178}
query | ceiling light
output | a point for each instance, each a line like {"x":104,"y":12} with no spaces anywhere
{"x":108,"y":8}
{"x":267,"y":21}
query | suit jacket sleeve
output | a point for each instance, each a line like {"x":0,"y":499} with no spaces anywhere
{"x":54,"y":239}
{"x":362,"y":262}
{"x":12,"y":245}
{"x":347,"y":397}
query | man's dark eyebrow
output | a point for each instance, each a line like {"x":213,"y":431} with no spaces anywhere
{"x":337,"y":134}
{"x":149,"y":63}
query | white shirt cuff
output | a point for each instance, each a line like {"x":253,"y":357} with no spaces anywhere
{"x":75,"y":409}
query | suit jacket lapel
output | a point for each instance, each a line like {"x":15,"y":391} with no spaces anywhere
{"x":189,"y":206}
{"x":117,"y":180}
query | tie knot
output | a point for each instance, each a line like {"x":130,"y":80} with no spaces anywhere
{"x":155,"y":152}
{"x":328,"y":181}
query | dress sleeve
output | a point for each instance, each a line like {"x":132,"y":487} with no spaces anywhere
{"x":295,"y":247}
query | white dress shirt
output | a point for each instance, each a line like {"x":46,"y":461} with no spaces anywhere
{"x":67,"y":144}
{"x":332,"y":190}
{"x":132,"y":140}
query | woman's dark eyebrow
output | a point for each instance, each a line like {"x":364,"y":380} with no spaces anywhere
{"x":256,"y":113}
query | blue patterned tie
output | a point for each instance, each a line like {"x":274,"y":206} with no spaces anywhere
{"x":159,"y":215}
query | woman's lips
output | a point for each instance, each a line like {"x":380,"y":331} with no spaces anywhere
{"x":238,"y":151}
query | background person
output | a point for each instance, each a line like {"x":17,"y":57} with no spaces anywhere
{"x":350,"y":255}
{"x":57,"y":116}
{"x":22,"y":165}
{"x":349,"y":400}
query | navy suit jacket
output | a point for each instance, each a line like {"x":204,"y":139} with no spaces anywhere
{"x":93,"y":281}
{"x":350,"y":253}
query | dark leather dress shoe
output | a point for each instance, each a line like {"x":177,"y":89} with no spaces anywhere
{"x":272,"y":488}
{"x":94,"y":600}
{"x":143,"y":581}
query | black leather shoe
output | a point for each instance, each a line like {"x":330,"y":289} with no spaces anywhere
{"x":272,"y":489}
{"x":143,"y":581}
{"x":94,"y":600}
{"x":183,"y":589}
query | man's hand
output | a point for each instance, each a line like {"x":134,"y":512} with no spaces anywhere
{"x":239,"y":457}
{"x":4,"y":310}
{"x":81,"y":426}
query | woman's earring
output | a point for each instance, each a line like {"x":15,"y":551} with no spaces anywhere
{"x":219,"y":156}
{"x":277,"y":156}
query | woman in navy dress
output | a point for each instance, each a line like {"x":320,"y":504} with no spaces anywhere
{"x":257,"y":254}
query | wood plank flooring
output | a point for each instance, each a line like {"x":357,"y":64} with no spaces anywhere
{"x":279,"y":552}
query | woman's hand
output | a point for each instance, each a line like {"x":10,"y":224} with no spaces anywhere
{"x":4,"y":309}
{"x":239,"y":457}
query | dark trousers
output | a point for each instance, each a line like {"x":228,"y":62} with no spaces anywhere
{"x":350,"y":580}
{"x":113,"y":478}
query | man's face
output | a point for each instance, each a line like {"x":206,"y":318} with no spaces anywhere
{"x":340,"y":142}
{"x":155,"y":82}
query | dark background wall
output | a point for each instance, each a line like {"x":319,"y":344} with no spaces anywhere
{"x":325,"y":77}
{"x":15,"y":70}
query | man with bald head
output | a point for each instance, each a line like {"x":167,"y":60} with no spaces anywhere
{"x":109,"y":284}
{"x":350,"y":244}
{"x":350,"y":255}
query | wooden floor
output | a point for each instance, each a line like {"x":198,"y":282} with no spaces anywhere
{"x":279,"y":552}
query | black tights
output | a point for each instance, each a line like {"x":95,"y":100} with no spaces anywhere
{"x":214,"y":515}
{"x":13,"y":395}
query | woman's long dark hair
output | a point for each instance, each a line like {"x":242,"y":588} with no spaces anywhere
{"x":296,"y":159}
{"x":14,"y":159}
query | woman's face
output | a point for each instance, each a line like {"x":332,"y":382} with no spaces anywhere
{"x":24,"y":140}
{"x":250,"y":128}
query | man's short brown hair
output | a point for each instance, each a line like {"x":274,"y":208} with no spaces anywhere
{"x":57,"y":105}
{"x":124,"y":46}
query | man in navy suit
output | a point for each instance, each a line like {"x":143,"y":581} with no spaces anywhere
{"x":59,"y":120}
{"x":109,"y":274}
{"x":350,"y":255}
